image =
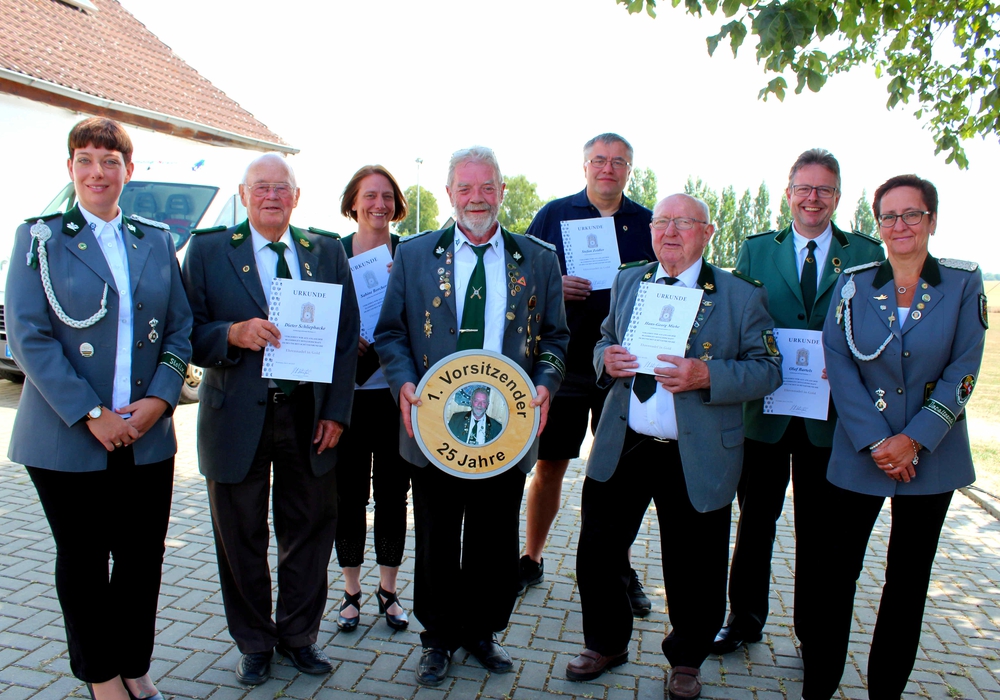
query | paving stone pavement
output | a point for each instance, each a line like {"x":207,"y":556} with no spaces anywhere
{"x":194,"y":655}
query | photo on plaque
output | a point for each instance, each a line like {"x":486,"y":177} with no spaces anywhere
{"x":475,"y":414}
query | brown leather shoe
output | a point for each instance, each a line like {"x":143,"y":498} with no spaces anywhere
{"x":589,"y":665}
{"x":685,"y":683}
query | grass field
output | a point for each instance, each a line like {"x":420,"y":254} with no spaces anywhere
{"x":984,"y":408}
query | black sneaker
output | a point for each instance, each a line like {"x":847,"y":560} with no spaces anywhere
{"x":529,"y":573}
{"x":640,"y":603}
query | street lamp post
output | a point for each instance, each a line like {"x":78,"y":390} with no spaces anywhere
{"x":416,"y":227}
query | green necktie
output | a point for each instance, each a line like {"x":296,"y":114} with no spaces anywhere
{"x":472,"y":332}
{"x":808,"y":280}
{"x":286,"y":386}
{"x":644,"y":385}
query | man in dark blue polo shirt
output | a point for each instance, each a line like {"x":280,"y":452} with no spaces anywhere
{"x":607,"y":164}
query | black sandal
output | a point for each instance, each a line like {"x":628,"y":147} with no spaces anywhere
{"x":397,"y":622}
{"x":353,"y":601}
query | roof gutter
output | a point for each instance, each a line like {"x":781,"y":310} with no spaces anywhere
{"x":143,"y":117}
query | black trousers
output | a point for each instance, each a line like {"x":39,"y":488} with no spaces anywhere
{"x":913,"y":539}
{"x":123,"y":512}
{"x":305,"y":523}
{"x":761,"y":495}
{"x":368,"y":460}
{"x":467,"y":545}
{"x":698,"y":546}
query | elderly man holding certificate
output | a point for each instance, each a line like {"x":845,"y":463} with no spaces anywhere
{"x":672,"y":434}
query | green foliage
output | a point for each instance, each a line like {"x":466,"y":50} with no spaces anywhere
{"x":701,"y":190}
{"x":428,"y":211}
{"x":864,"y":218}
{"x":520,"y":204}
{"x":762,"y":209}
{"x":725,"y":244}
{"x":784,"y":214}
{"x":642,"y":187}
{"x":943,"y":55}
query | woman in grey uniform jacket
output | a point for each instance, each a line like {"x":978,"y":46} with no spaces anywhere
{"x":903,"y":349}
{"x":99,"y":322}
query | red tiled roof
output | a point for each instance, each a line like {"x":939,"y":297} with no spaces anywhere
{"x":111,"y":55}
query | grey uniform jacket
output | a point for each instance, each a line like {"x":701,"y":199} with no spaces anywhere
{"x":220,"y":272}
{"x":407,"y":349}
{"x":62,"y":384}
{"x":927,"y":373}
{"x":736,"y":324}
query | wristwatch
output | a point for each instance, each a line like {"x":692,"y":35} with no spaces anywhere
{"x":95,"y":413}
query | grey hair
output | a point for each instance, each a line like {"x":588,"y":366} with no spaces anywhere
{"x":480,"y":389}
{"x":270,"y":157}
{"x":479,"y":154}
{"x":608,"y":138}
{"x":705,"y":211}
{"x":815,"y":156}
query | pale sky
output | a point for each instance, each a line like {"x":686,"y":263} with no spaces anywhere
{"x":353,"y":83}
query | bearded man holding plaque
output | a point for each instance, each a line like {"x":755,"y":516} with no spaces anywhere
{"x":471,"y":286}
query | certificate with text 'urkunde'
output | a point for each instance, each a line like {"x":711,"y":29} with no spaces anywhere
{"x":661,"y":323}
{"x":591,"y":250}
{"x":308,"y":316}
{"x":803,"y":391}
{"x":371,"y":279}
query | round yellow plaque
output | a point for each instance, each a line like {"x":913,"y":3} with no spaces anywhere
{"x":476,"y":418}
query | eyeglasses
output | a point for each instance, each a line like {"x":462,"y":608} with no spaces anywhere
{"x":822,"y":191}
{"x":910,"y":218}
{"x":616,"y":163}
{"x":261,"y":189}
{"x":681,"y":223}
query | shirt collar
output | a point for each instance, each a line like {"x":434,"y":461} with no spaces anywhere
{"x":688,"y":278}
{"x":580,"y":199}
{"x":822,"y":240}
{"x":259,"y":242}
{"x":496,"y":242}
{"x":97,"y":223}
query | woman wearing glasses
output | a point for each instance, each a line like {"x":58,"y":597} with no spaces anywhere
{"x":903,"y":349}
{"x":369,"y":454}
{"x":98,"y":320}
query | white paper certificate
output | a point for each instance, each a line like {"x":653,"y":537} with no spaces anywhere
{"x":371,"y":278}
{"x":308,"y":316}
{"x":591,"y":250}
{"x":803,"y":392}
{"x":661,"y":323}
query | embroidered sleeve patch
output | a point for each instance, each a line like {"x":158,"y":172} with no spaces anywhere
{"x":175,"y":363}
{"x":770,"y":343}
{"x":983,"y":312}
{"x":941,"y":411}
{"x":964,"y":389}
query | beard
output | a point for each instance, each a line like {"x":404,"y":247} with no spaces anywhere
{"x":477,"y":414}
{"x":477,"y":223}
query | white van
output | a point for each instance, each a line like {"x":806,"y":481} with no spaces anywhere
{"x":176,"y":194}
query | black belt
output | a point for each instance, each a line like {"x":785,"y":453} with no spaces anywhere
{"x":634,"y":439}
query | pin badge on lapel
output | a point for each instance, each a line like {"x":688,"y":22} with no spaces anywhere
{"x":153,"y":335}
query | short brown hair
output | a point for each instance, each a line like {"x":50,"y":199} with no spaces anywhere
{"x":927,"y":190}
{"x":815,"y":156}
{"x":102,"y":133}
{"x":354,"y":184}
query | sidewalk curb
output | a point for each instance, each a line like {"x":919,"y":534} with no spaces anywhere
{"x":986,"y":505}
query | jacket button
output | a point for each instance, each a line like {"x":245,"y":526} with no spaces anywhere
{"x":138,"y":382}
{"x":261,"y":402}
{"x":906,"y":353}
{"x":802,"y":317}
{"x":139,"y":344}
{"x":218,"y":363}
{"x":899,"y":390}
{"x":623,"y":417}
{"x":452,"y":331}
{"x":139,"y":306}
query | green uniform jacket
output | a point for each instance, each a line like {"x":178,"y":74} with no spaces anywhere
{"x":770,"y":258}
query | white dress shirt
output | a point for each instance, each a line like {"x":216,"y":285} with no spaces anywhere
{"x":658,"y":416}
{"x":496,"y":286}
{"x":822,"y":250}
{"x":479,"y":426}
{"x":109,"y":238}
{"x":267,"y":259}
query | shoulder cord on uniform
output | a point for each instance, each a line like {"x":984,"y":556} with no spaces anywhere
{"x":42,"y":233}
{"x":847,"y":293}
